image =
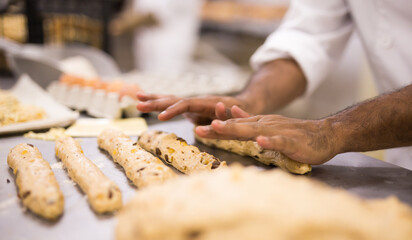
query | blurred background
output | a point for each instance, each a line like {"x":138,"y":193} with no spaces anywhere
{"x":182,"y":47}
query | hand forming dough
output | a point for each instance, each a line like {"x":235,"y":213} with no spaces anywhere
{"x":102,"y":193}
{"x":177,"y":152}
{"x":247,"y":203}
{"x":141,"y":167}
{"x":252,"y":149}
{"x":38,"y":187}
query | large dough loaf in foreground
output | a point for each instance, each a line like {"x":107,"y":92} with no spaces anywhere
{"x":175,"y":151}
{"x":38,"y":187}
{"x":252,"y":149}
{"x":247,"y":203}
{"x":141,"y":167}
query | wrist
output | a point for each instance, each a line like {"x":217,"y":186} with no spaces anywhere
{"x":339,"y":134}
{"x":273,"y":86}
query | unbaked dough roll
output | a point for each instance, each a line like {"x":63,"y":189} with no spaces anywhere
{"x":38,"y":187}
{"x":103,"y":194}
{"x":141,"y":167}
{"x":175,"y":151}
{"x":252,"y":149}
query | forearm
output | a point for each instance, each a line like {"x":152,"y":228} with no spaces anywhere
{"x":380,"y":123}
{"x":273,"y":86}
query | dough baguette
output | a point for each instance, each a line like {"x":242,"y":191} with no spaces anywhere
{"x":252,"y":149}
{"x":103,"y":194}
{"x":247,"y":203}
{"x":38,"y":187}
{"x":141,"y":167}
{"x":177,"y":152}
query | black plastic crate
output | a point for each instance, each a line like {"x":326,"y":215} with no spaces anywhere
{"x":70,"y":16}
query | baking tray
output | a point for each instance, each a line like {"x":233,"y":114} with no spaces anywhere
{"x":359,"y":174}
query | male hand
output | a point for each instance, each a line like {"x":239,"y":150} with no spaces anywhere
{"x":306,"y":141}
{"x":200,"y":110}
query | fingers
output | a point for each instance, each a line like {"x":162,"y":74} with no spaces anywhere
{"x":157,"y":104}
{"x":222,"y":112}
{"x":286,"y":145}
{"x":171,"y":106}
{"x":197,"y":119}
{"x":208,"y":132}
{"x":240,"y":129}
{"x":193,"y":105}
{"x":146,"y":97}
{"x":237,"y":112}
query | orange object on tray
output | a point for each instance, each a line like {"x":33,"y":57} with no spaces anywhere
{"x":116,"y":86}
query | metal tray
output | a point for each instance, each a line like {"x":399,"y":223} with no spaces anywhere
{"x":359,"y":174}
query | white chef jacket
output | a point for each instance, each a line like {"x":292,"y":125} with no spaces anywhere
{"x":315,"y":32}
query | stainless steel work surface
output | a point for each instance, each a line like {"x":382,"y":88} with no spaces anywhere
{"x":359,"y":174}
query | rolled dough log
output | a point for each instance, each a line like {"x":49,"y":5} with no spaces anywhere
{"x":175,"y":151}
{"x":38,"y":187}
{"x":102,"y":193}
{"x":252,"y":149}
{"x":141,"y":167}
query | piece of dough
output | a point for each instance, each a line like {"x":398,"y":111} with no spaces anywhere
{"x":141,"y":167}
{"x":51,"y":135}
{"x":38,"y":187}
{"x":12,"y":111}
{"x":247,"y":203}
{"x":177,"y":152}
{"x":102,"y":193}
{"x":252,"y":149}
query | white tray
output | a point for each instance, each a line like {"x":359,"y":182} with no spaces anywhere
{"x":28,"y":92}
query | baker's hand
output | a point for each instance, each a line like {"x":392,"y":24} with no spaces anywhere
{"x":306,"y":141}
{"x":200,"y":110}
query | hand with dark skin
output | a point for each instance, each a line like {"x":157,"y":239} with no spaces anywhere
{"x":199,"y":110}
{"x":273,"y":86}
{"x":379,"y":123}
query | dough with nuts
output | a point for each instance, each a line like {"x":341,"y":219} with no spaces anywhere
{"x":247,"y":203}
{"x":175,"y":151}
{"x":252,"y":149}
{"x":102,"y":193}
{"x":141,"y":167}
{"x":12,"y":111}
{"x":38,"y":187}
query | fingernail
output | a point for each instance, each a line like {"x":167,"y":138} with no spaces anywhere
{"x":162,"y":113}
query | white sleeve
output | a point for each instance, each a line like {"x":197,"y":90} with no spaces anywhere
{"x":314,"y":33}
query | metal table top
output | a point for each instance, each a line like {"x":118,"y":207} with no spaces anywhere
{"x":357,"y":173}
